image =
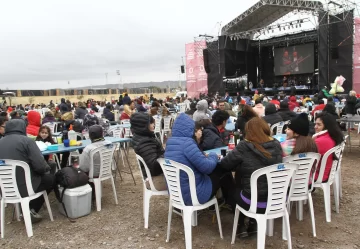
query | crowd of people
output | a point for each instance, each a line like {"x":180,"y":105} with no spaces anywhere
{"x":202,"y":127}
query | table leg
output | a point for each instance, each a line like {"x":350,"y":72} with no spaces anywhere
{"x":128,"y":162}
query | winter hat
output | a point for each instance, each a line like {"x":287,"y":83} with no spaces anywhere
{"x":96,"y":133}
{"x":284,"y":105}
{"x":300,"y":124}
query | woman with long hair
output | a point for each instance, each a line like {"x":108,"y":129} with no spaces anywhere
{"x":245,"y":113}
{"x":297,"y":137}
{"x":257,"y":151}
{"x":327,"y":136}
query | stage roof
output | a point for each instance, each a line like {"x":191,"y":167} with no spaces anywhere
{"x":266,"y":12}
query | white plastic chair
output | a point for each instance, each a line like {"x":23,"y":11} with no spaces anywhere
{"x":338,"y":177}
{"x":127,"y":130}
{"x":233,"y":119}
{"x":279,"y":127}
{"x":10,"y":193}
{"x":171,"y":171}
{"x":157,"y":130}
{"x":325,"y":186}
{"x":308,"y":163}
{"x":182,"y":107}
{"x":167,"y":128}
{"x":106,"y":154}
{"x":147,"y":193}
{"x":278,"y":179}
{"x":52,"y":126}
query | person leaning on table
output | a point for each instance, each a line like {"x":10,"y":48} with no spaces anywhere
{"x":17,"y":146}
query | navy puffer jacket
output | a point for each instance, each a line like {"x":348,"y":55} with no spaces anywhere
{"x":182,"y":148}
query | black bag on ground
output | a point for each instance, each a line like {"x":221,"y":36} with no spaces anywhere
{"x":69,"y":177}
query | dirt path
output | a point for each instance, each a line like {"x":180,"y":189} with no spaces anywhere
{"x":121,"y":226}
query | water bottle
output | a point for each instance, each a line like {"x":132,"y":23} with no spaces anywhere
{"x":231,"y":144}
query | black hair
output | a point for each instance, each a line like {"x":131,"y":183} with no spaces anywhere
{"x":330,"y":108}
{"x":258,"y":101}
{"x":332,"y":127}
{"x":49,"y":138}
{"x":219,"y":117}
{"x":321,"y":101}
{"x":2,"y":120}
{"x":330,"y":99}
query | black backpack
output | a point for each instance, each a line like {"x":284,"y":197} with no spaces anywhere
{"x":69,"y":177}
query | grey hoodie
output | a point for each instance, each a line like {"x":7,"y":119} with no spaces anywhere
{"x":202,"y":111}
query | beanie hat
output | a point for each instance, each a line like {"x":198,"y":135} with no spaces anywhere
{"x":300,"y":124}
{"x":96,"y":133}
{"x":284,"y":105}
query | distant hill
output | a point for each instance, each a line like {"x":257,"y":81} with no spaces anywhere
{"x":164,"y":84}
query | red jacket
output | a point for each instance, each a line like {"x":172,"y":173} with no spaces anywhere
{"x":275,"y":102}
{"x":318,"y":108}
{"x":324,"y":143}
{"x":293,"y":103}
{"x":34,"y":120}
{"x":124,"y":116}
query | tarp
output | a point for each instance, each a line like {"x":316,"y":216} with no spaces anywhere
{"x":196,"y":77}
{"x":356,"y":63}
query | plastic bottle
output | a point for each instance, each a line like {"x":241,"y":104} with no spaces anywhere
{"x":231,"y":144}
{"x":72,"y":136}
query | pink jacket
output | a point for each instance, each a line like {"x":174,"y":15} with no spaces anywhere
{"x":324,"y":143}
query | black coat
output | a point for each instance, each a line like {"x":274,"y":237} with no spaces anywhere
{"x":80,"y":113}
{"x":145,"y":143}
{"x":241,"y":122}
{"x":211,"y":138}
{"x":109,"y":115}
{"x":271,"y":116}
{"x":350,"y":105}
{"x":245,"y":159}
{"x":286,"y":114}
{"x":17,"y":146}
{"x":64,"y":107}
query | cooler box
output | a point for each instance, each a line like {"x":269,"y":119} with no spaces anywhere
{"x":77,"y":201}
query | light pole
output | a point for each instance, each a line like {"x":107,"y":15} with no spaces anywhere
{"x":106,"y":74}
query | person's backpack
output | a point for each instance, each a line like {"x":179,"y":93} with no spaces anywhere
{"x":69,"y":177}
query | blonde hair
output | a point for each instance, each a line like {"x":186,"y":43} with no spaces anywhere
{"x":352,"y":93}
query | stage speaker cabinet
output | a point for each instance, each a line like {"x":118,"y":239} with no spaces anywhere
{"x":182,"y":68}
{"x":206,"y":60}
{"x":335,"y":53}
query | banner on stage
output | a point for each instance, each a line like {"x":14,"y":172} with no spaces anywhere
{"x":356,"y":65}
{"x":196,"y":77}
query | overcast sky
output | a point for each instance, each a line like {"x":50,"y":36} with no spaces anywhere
{"x":46,"y":43}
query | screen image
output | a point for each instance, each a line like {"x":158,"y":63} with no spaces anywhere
{"x":294,"y":60}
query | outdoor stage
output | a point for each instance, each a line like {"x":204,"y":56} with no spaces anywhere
{"x":254,"y":47}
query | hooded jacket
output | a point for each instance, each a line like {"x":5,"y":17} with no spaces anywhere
{"x":293,"y":103}
{"x":34,"y":123}
{"x":245,"y":159}
{"x":202,"y":111}
{"x":259,"y":109}
{"x":145,"y":143}
{"x":17,"y":146}
{"x":350,"y":105}
{"x":271,"y":115}
{"x":182,"y":148}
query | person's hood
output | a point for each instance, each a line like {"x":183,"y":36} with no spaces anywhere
{"x":202,"y":105}
{"x":34,"y":118}
{"x":292,"y":99}
{"x":15,"y":126}
{"x":140,"y":122}
{"x":272,"y":146}
{"x":183,"y":126}
{"x":270,"y":109}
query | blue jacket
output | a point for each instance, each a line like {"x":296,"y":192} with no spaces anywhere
{"x":182,"y":148}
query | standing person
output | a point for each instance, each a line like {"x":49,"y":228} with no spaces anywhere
{"x":17,"y":146}
{"x":257,"y":151}
{"x":63,"y":106}
{"x":297,"y":137}
{"x":182,"y":148}
{"x":126,"y":100}
{"x":34,"y":120}
{"x":327,"y":136}
{"x":148,"y":147}
{"x":350,"y":107}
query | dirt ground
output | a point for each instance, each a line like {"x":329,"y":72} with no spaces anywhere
{"x":121,"y":226}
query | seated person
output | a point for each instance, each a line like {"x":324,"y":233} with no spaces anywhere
{"x":183,"y":148}
{"x":214,"y":134}
{"x":46,"y":137}
{"x":257,"y":151}
{"x":319,"y":107}
{"x":34,"y":120}
{"x":148,"y":147}
{"x":97,"y":140}
{"x":17,"y":146}
{"x":49,"y":118}
{"x":271,"y":116}
{"x":285,"y":112}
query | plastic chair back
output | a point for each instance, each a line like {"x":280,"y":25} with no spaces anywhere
{"x":278,"y":127}
{"x":171,"y":171}
{"x":278,"y":180}
{"x":182,"y":107}
{"x":127,"y":130}
{"x":167,"y":123}
{"x":106,"y":154}
{"x":117,"y":131}
{"x":8,"y":183}
{"x":52,"y":126}
{"x":157,"y":119}
{"x":337,"y":152}
{"x":308,"y":163}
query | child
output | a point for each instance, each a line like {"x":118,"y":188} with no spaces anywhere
{"x":46,"y":136}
